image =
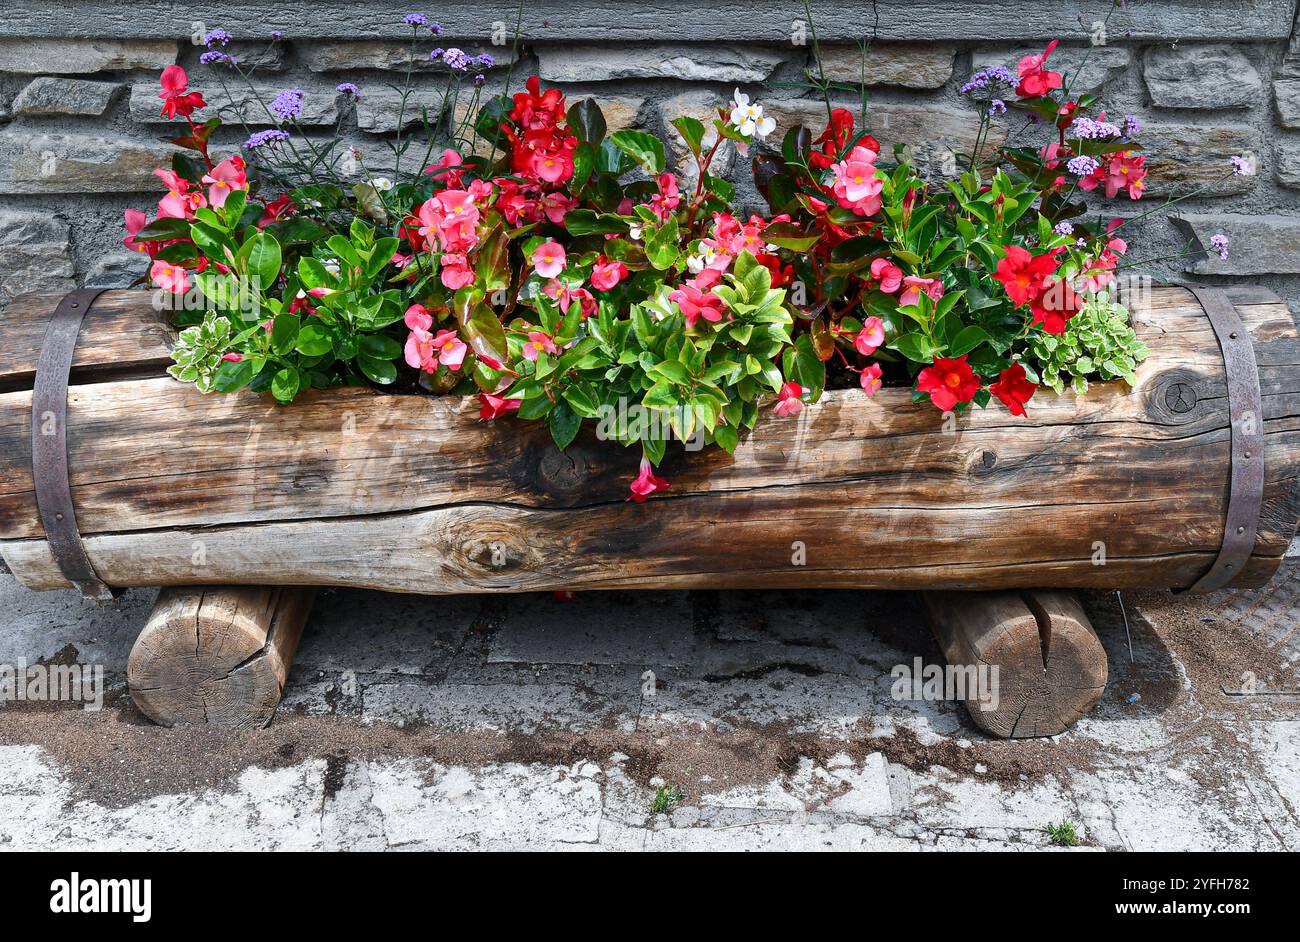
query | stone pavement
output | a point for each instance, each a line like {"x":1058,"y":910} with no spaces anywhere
{"x":529,"y":722}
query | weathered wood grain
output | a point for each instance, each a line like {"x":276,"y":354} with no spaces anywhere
{"x":122,"y":335}
{"x":1051,"y":668}
{"x":217,"y":656}
{"x":1122,"y":487}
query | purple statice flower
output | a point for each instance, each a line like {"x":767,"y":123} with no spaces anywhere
{"x":436,"y":53}
{"x":1088,"y":128}
{"x":997,"y":106}
{"x":216,"y":37}
{"x":1083,"y":165}
{"x":1000,"y":73}
{"x":1242,"y":166}
{"x":263,"y":138}
{"x":276,"y":35}
{"x":485,"y":61}
{"x":1132,"y":126}
{"x":977,"y":81}
{"x":347,"y":88}
{"x":416,"y":19}
{"x":215,"y":56}
{"x":458,"y":59}
{"x":287,"y":104}
{"x":1064,"y":228}
{"x":480,"y":79}
{"x":1219,"y":242}
{"x":435,"y":28}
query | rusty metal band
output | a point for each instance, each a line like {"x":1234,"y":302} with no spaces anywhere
{"x":50,"y":445}
{"x":1246,"y":420}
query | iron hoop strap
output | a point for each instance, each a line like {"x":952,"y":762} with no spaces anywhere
{"x":50,"y":445}
{"x":1246,"y":420}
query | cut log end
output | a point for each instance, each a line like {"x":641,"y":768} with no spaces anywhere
{"x":1051,"y":666}
{"x":217,"y":656}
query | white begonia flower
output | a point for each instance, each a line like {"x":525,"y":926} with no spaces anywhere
{"x":331,"y":265}
{"x":383,"y":184}
{"x":747,"y":117}
{"x":634,"y":233}
{"x":695,"y":264}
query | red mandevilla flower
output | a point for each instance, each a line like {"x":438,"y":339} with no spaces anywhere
{"x":1023,"y":274}
{"x":1014,"y":389}
{"x":949,"y":381}
{"x":646,"y":483}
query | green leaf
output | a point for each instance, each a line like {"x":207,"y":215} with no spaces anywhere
{"x":284,"y":386}
{"x":673,"y":371}
{"x":164,"y":229}
{"x":967,"y":340}
{"x":314,"y":340}
{"x":645,"y":149}
{"x":564,"y":424}
{"x":262,"y":254}
{"x":692,"y":132}
{"x":284,"y":333}
{"x":380,"y":347}
{"x":789,"y":236}
{"x":587,"y":122}
{"x":382,"y":372}
{"x":231,"y":377}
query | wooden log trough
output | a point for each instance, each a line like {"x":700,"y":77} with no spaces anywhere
{"x":1180,"y":481}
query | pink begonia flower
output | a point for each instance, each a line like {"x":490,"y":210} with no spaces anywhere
{"x":455,"y":271}
{"x":663,"y":203}
{"x":539,"y":342}
{"x":695,"y":303}
{"x":788,"y":401}
{"x":856,"y":186}
{"x":224,"y":179}
{"x":565,"y":296}
{"x":419,"y":351}
{"x":548,"y":259}
{"x":888,"y":274}
{"x":606,"y":273}
{"x":871,"y":337}
{"x":646,"y":483}
{"x":914,"y":286}
{"x":496,"y":406}
{"x":135,"y":221}
{"x":557,"y":206}
{"x":451,"y":349}
{"x":169,"y":277}
{"x":180,"y":202}
{"x":870,"y":379}
{"x":417,"y":318}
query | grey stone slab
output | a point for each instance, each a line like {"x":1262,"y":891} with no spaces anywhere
{"x":736,"y":20}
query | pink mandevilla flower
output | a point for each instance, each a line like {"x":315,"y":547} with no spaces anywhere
{"x":646,"y":483}
{"x":788,"y":401}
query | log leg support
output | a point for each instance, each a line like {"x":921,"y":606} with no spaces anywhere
{"x":1051,"y":666}
{"x":217,"y":654}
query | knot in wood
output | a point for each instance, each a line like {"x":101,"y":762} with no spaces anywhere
{"x":560,"y":472}
{"x":495,"y":552}
{"x":1180,"y":398}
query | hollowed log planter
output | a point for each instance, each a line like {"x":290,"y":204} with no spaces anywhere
{"x":1191,"y":478}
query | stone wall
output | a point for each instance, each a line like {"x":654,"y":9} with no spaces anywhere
{"x":80,"y":129}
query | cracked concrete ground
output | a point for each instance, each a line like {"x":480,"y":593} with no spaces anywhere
{"x":506,"y":722}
